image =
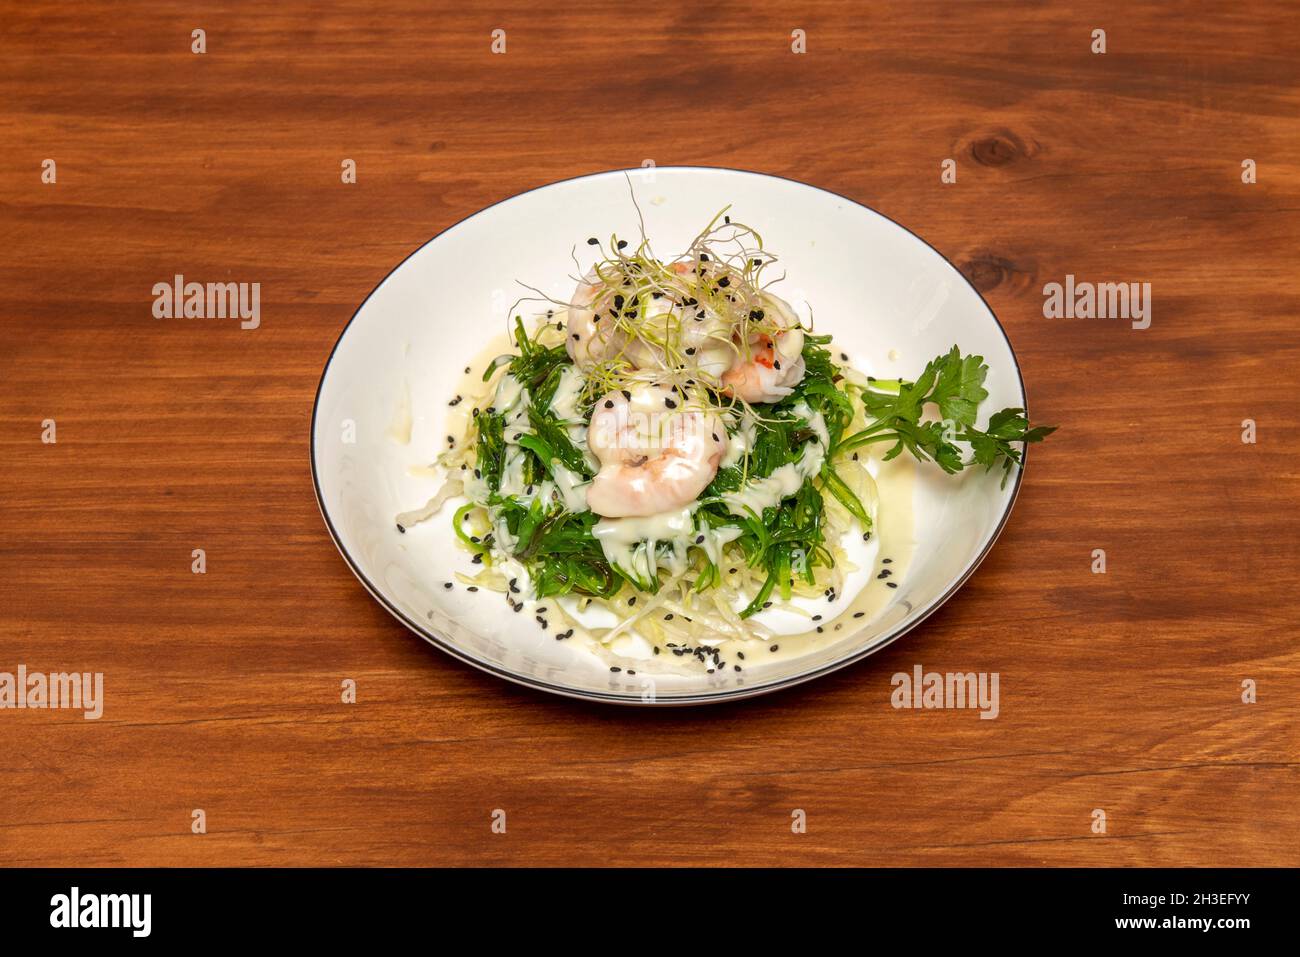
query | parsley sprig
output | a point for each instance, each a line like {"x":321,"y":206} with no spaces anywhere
{"x":954,"y":383}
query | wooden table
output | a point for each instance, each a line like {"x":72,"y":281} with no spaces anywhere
{"x":1120,"y":691}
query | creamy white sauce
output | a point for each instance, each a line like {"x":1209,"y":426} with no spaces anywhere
{"x":769,"y":491}
{"x":715,"y":539}
{"x":505,"y":541}
{"x":510,"y":395}
{"x":632,"y":543}
{"x":740,"y":442}
{"x":512,"y":472}
{"x":567,"y":395}
{"x":564,"y":405}
{"x":572,"y":488}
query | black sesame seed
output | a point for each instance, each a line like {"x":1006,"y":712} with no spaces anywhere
{"x":670,"y":403}
{"x":740,"y":655}
{"x":622,"y":244}
{"x":668,"y":617}
{"x":400,"y":528}
{"x":774,"y":648}
{"x":632,"y":600}
{"x":690,"y":351}
{"x":446,"y":584}
{"x":817,"y":617}
{"x":472,"y":588}
{"x":820,"y":629}
{"x":858,"y":614}
{"x":593,"y":241}
{"x":699,"y":539}
{"x":892,"y":584}
{"x":615,"y":668}
{"x":627,"y":395}
{"x":609,"y":403}
{"x":887,"y":561}
{"x":656,"y":649}
{"x":724,"y":282}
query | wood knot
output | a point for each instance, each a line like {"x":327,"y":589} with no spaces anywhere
{"x":1000,"y":148}
{"x":987,"y":271}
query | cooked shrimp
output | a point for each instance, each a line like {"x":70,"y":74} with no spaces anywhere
{"x":775,"y":364}
{"x":673,"y":333}
{"x":654,"y":454}
{"x":592,"y":336}
{"x":701,"y":333}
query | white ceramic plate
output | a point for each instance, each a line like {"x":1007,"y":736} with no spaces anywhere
{"x":890,"y":300}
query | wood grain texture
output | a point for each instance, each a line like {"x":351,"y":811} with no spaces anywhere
{"x":1119,"y":691}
